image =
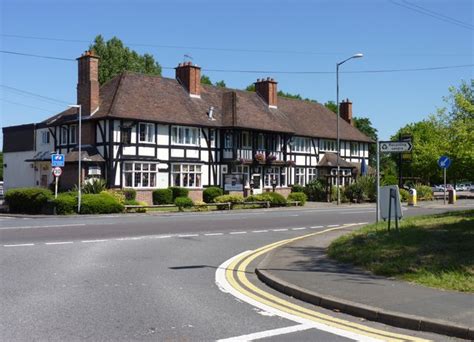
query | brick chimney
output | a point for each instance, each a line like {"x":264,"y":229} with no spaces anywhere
{"x":267,"y":90}
{"x":345,"y":110}
{"x":88,"y":82}
{"x":189,"y":76}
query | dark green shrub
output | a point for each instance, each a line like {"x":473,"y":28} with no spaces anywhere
{"x":179,"y":192}
{"x":130,"y":202}
{"x":163,"y":196}
{"x":94,"y":186}
{"x":424,"y":192}
{"x":183,"y":202}
{"x":102,"y":203}
{"x":389,"y":180}
{"x":297,"y":188}
{"x":130,"y":194}
{"x":354,"y":192}
{"x":27,"y":200}
{"x":66,"y":203}
{"x":369,"y":187}
{"x":210,"y":193}
{"x":404,"y":195}
{"x":315,"y":190}
{"x":298,"y":196}
{"x":117,"y":194}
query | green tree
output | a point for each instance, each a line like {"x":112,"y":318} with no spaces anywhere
{"x":331,"y":105}
{"x":251,"y":87}
{"x":116,"y":58}
{"x":205,"y":80}
{"x":220,"y":84}
{"x":365,"y":126}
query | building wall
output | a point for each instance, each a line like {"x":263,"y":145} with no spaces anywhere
{"x":16,"y":172}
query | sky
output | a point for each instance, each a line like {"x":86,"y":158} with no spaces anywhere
{"x":269,"y":37}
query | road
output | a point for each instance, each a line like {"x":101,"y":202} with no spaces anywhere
{"x":145,"y":277}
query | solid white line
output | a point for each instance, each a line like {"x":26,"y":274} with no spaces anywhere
{"x":137,"y":238}
{"x":268,"y":333}
{"x":161,"y":237}
{"x":188,"y":235}
{"x":259,"y":231}
{"x":357,"y":212}
{"x":224,"y":286}
{"x":316,"y":227}
{"x":87,"y":241}
{"x":214,"y":234}
{"x":363,"y":223}
{"x":301,"y":228}
{"x":58,"y":243}
{"x":47,"y":226}
{"x":234,"y":233}
{"x":20,"y":245}
{"x":333,"y":225}
{"x":280,"y":230}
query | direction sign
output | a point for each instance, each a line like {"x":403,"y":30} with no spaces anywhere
{"x":444,"y":162}
{"x":57,"y":171}
{"x":395,"y":146}
{"x":57,"y":160}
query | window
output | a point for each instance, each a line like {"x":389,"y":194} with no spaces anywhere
{"x":228,"y":140}
{"x":186,"y":175}
{"x":277,"y":173}
{"x":301,"y":144}
{"x":72,"y":134}
{"x":354,"y":149}
{"x":64,"y":131}
{"x":45,"y":138}
{"x":328,"y":145}
{"x":242,"y":170}
{"x":146,"y":132}
{"x":312,"y":174}
{"x":246,"y":140}
{"x":139,"y":175}
{"x":299,"y":175}
{"x":181,"y":135}
{"x":126,"y":135}
{"x":261,"y":142}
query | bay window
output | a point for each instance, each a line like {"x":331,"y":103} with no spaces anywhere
{"x":139,"y":175}
{"x":186,"y":175}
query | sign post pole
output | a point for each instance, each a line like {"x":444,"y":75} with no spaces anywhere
{"x":444,"y":162}
{"x":444,"y":177}
{"x":55,"y":187}
{"x":377,"y":206}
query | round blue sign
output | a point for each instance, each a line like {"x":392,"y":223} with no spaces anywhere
{"x":444,"y":162}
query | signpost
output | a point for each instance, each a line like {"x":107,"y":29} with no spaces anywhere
{"x":395,"y":146}
{"x":444,"y":162}
{"x":57,"y":171}
{"x":57,"y":160}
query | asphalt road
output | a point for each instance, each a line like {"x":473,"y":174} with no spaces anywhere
{"x":141,"y":277}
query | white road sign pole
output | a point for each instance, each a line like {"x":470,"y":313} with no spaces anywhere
{"x":55,"y":187}
{"x":377,"y":206}
{"x":444,"y":176}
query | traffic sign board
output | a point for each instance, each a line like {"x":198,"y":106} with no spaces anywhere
{"x":395,"y":146}
{"x":57,"y":160}
{"x":57,"y":171}
{"x":444,"y":162}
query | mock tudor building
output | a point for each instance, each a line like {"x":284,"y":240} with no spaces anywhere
{"x":147,"y":132}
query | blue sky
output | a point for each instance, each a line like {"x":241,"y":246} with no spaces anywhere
{"x":270,"y":36}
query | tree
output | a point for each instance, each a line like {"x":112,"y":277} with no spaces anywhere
{"x":116,"y":58}
{"x":331,"y":105}
{"x":365,"y":126}
{"x":251,"y":87}
{"x":220,"y":84}
{"x":205,"y":80}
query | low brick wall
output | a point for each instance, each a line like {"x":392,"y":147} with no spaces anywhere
{"x":195,"y":195}
{"x":145,"y":196}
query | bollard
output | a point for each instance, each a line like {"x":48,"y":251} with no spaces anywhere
{"x":412,"y":199}
{"x":451,"y":196}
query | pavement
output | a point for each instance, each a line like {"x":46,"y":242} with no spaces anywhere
{"x":302,"y":270}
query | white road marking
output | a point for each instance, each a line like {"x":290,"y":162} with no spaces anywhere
{"x":46,"y":226}
{"x":294,"y":215}
{"x":268,"y":333}
{"x":224,"y":286}
{"x":300,"y":228}
{"x":188,"y":235}
{"x":59,"y":243}
{"x":334,"y":225}
{"x":235,"y":233}
{"x":88,"y":241}
{"x":20,"y":245}
{"x":363,"y":223}
{"x":137,"y":238}
{"x":357,"y":212}
{"x":280,"y":230}
{"x":316,"y":227}
{"x":260,"y":231}
{"x":161,"y":237}
{"x":214,"y":234}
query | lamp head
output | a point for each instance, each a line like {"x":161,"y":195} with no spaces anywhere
{"x":358,"y":55}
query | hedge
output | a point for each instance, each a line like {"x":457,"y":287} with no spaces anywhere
{"x":163,"y":196}
{"x":315,"y":191}
{"x":297,"y":188}
{"x":130,"y":194}
{"x":66,"y":203}
{"x":27,"y":200}
{"x":209,"y":194}
{"x":234,"y":199}
{"x":404,"y":195}
{"x":183,"y":202}
{"x":102,"y":203}
{"x":298,"y":196}
{"x":179,"y":192}
{"x":275,"y":199}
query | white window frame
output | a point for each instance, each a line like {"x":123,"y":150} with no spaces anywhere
{"x":187,"y":172}
{"x":301,"y":144}
{"x":149,"y":133}
{"x":73,"y":134}
{"x":179,"y":135}
{"x":63,"y":135}
{"x":311,"y":174}
{"x":260,"y":141}
{"x":354,"y":148}
{"x":328,"y":145}
{"x":147,"y":174}
{"x":45,"y":138}
{"x":300,"y":175}
{"x":279,"y":173}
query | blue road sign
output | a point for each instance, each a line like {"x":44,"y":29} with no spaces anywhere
{"x":444,"y":162}
{"x":57,"y":160}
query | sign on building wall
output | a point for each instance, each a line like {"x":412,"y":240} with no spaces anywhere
{"x":233,"y":182}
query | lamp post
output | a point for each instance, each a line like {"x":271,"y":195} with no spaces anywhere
{"x":357,"y":55}
{"x":79,"y":179}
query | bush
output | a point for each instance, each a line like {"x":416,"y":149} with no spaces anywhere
{"x":178,"y":192}
{"x":66,"y":203}
{"x":297,"y":188}
{"x":202,"y":206}
{"x":94,"y":186}
{"x":298,"y":196}
{"x":315,"y":191}
{"x":163,"y":196}
{"x":369,"y":187}
{"x":354,"y":192}
{"x":102,"y":203}
{"x":389,"y":180}
{"x":424,"y":192}
{"x":404,"y":195}
{"x":130,"y":194}
{"x":118,"y":194}
{"x":275,"y":199}
{"x":234,"y":199}
{"x":27,"y":200}
{"x":212,"y":192}
{"x":183,"y":202}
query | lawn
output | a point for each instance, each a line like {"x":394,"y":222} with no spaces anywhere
{"x":435,"y":250}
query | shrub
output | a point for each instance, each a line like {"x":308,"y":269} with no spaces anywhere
{"x":234,"y":199}
{"x":94,"y":186}
{"x":212,"y":192}
{"x":354,"y":192}
{"x":389,"y":180}
{"x":404,"y":195}
{"x":424,"y":192}
{"x":183,"y":202}
{"x":178,"y":192}
{"x":369,"y":187}
{"x":130,"y":202}
{"x":130,"y":194}
{"x":275,"y":199}
{"x":297,"y":188}
{"x":141,"y":210}
{"x":102,"y":203}
{"x":163,"y":196}
{"x":298,"y":196}
{"x":202,"y":206}
{"x":66,"y":203}
{"x":117,"y":194}
{"x":315,"y":191}
{"x":27,"y":200}
{"x":334,"y":193}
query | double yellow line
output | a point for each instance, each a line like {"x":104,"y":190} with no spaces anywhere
{"x":237,"y":278}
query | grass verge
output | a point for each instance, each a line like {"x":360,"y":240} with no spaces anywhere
{"x":435,"y":250}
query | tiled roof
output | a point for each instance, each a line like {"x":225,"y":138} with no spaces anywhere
{"x":155,"y":98}
{"x":330,"y":160}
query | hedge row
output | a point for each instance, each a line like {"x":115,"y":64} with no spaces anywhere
{"x":169,"y":195}
{"x":27,"y":200}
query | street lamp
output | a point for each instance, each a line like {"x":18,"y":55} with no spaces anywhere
{"x":357,"y":55}
{"x":80,"y":158}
